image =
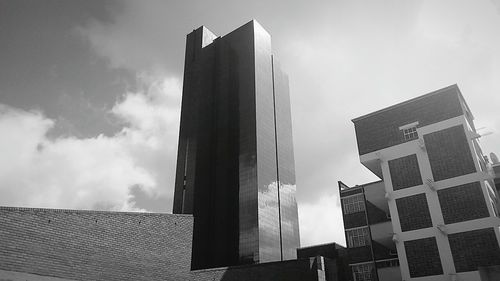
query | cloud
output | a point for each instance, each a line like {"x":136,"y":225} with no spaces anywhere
{"x":496,"y":3}
{"x":365,"y":58}
{"x":344,"y":59}
{"x":92,"y":173}
{"x":139,"y":37}
{"x":321,"y":221}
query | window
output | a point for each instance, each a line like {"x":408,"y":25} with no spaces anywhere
{"x":405,"y":172}
{"x":423,"y":256}
{"x":410,"y":133}
{"x":363,"y":272}
{"x":358,"y":237}
{"x":353,"y":204}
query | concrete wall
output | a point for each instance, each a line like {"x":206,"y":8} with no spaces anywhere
{"x":490,"y":273}
{"x":389,"y":273}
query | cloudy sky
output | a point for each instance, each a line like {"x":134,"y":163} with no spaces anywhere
{"x":90,"y":91}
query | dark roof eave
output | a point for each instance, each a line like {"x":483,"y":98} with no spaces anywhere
{"x":455,"y":86}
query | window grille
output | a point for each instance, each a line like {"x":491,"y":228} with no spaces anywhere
{"x":358,"y":237}
{"x":363,"y":272}
{"x":353,"y":204}
{"x":410,"y":133}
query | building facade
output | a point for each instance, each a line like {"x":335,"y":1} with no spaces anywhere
{"x":332,"y":257}
{"x":440,"y":193}
{"x":235,"y":163}
{"x":368,"y":228}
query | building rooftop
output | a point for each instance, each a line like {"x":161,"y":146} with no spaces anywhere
{"x":436,"y":92}
{"x":344,"y":186}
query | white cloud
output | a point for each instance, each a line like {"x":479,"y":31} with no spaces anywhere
{"x":92,"y":173}
{"x":321,"y":221}
{"x":345,"y":59}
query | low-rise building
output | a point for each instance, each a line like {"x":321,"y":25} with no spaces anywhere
{"x":333,"y":258}
{"x":441,"y":196}
{"x":372,"y":253}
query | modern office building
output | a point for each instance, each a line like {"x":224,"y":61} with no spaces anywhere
{"x":440,"y":192}
{"x":368,"y":228}
{"x":235,"y":163}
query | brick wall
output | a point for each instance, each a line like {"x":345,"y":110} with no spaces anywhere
{"x":91,"y":245}
{"x":423,"y":257}
{"x":405,"y":172}
{"x":95,"y":245}
{"x":462,"y":203}
{"x":381,"y":129}
{"x":413,"y":212}
{"x":449,"y":153}
{"x":475,"y":248}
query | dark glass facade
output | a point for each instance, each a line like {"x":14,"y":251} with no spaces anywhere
{"x":235,"y":165}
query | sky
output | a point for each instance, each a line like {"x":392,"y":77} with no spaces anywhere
{"x":90,"y":91}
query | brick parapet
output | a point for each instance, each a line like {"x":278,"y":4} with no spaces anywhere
{"x":95,"y":245}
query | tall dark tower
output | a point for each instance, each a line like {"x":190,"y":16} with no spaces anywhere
{"x":235,"y":164}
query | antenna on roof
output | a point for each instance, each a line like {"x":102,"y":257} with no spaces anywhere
{"x":494,"y":158}
{"x":476,"y":135}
